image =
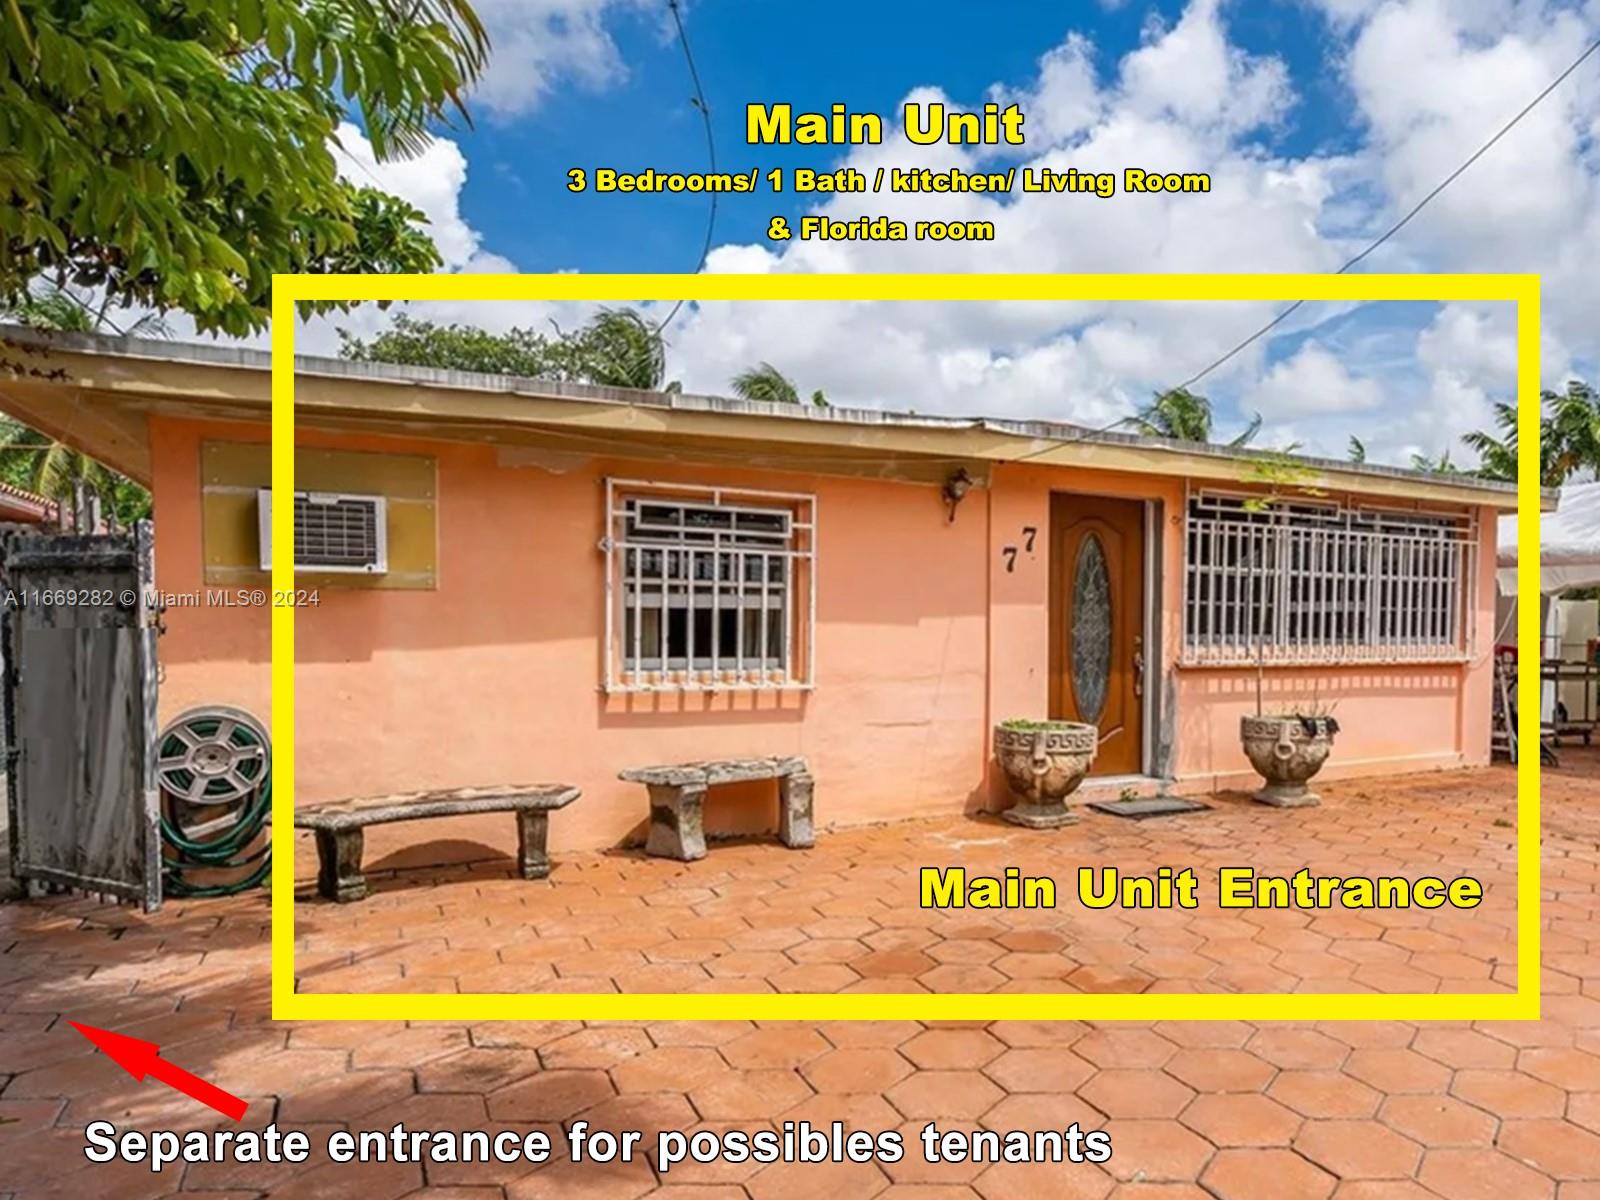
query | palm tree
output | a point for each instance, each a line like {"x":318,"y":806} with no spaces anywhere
{"x":766,"y":383}
{"x":1436,"y":466}
{"x":1184,"y":416}
{"x":1356,"y":452}
{"x":55,"y":308}
{"x":1569,"y":435}
{"x":37,"y":462}
{"x":1497,"y":455}
{"x":621,"y":349}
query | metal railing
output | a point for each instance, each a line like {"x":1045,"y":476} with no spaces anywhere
{"x":1303,"y":583}
{"x":708,"y":588}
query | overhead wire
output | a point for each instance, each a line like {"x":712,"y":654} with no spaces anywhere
{"x":699,"y":101}
{"x":1388,"y":233}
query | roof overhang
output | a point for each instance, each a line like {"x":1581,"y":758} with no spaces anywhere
{"x":97,"y":393}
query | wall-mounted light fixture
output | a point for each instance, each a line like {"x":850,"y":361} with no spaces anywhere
{"x":955,"y":490}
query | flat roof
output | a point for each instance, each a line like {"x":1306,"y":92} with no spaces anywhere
{"x":827,"y":422}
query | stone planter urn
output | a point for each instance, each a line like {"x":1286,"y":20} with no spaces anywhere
{"x":1044,"y":762}
{"x":1287,"y":752}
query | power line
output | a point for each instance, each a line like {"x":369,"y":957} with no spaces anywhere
{"x":1405,"y":220}
{"x":699,"y":102}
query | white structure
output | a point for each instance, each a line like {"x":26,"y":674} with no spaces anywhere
{"x":1569,"y":543}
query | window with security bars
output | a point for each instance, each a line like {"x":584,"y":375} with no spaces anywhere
{"x":708,"y":588}
{"x":333,"y":531}
{"x":1298,"y":581}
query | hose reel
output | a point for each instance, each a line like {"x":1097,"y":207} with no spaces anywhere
{"x":214,"y":772}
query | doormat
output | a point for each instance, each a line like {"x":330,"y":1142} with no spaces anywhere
{"x":1140,"y":807}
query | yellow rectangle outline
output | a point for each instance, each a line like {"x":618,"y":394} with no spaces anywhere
{"x":1523,"y":1004}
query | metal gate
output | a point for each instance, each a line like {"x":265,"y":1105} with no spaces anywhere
{"x":80,"y":711}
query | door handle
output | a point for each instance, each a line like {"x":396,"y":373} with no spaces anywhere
{"x":1138,"y":674}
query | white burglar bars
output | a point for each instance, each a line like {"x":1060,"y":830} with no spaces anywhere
{"x":1294,"y":581}
{"x":708,"y":588}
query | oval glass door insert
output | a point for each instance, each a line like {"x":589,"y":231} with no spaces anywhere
{"x":1091,"y":629}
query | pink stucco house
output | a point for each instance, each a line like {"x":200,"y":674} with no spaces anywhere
{"x":522,"y":580}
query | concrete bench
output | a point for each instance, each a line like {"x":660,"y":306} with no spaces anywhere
{"x":678,"y":796}
{"x":339,"y":827}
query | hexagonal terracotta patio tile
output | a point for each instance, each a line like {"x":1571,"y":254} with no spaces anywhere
{"x":856,"y":1070}
{"x":1241,"y":1119}
{"x":1043,"y":1181}
{"x":1266,"y":1175}
{"x":1558,"y":1148}
{"x":550,"y":1096}
{"x":785,"y":1045}
{"x":1508,"y":1094}
{"x":667,"y":1069}
{"x":1358,"y":1149}
{"x":1124,"y":1046}
{"x":1482,"y":1175}
{"x":1397,"y":1071}
{"x":1136,"y":1093}
{"x":1155,"y":1150}
{"x":805,"y":1181}
{"x":1039,"y":1069}
{"x":1221,"y":1070}
{"x":1438,"y":1121}
{"x":1325,"y":1094}
{"x":952,"y":1049}
{"x":749,"y":1095}
{"x":1289,"y":1048}
{"x":931,"y":1094}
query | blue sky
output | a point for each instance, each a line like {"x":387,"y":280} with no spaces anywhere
{"x":762,"y":52}
{"x":1320,"y":121}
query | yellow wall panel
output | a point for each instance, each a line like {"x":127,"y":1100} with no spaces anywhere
{"x":231,"y":472}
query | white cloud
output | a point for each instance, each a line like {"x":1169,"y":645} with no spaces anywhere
{"x":432,"y":182}
{"x":1313,"y":382}
{"x":538,"y":45}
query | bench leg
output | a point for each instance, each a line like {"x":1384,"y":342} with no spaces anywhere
{"x":795,"y":828}
{"x":533,"y":831}
{"x":677,"y":821}
{"x":339,"y":859}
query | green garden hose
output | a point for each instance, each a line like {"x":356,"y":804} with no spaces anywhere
{"x":214,"y":769}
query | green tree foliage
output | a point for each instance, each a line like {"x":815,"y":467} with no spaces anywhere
{"x":1497,"y":453}
{"x":38,"y":463}
{"x":1436,"y":466}
{"x":766,"y":383}
{"x":1569,"y":435}
{"x":1356,"y":451}
{"x":617,"y":348}
{"x":175,"y":154}
{"x":1185,"y":416}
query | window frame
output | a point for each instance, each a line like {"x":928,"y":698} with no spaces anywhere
{"x":1325,"y":600}
{"x":793,"y":668}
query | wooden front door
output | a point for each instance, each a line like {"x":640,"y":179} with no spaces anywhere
{"x":1097,"y":652}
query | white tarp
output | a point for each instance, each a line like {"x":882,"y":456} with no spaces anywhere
{"x":1569,"y":543}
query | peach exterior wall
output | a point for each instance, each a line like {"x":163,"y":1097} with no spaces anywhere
{"x":494,"y":677}
{"x":923,"y":638}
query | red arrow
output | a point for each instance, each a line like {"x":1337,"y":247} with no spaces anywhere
{"x":140,"y":1058}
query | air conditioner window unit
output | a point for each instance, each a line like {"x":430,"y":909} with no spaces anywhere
{"x":333,"y":531}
